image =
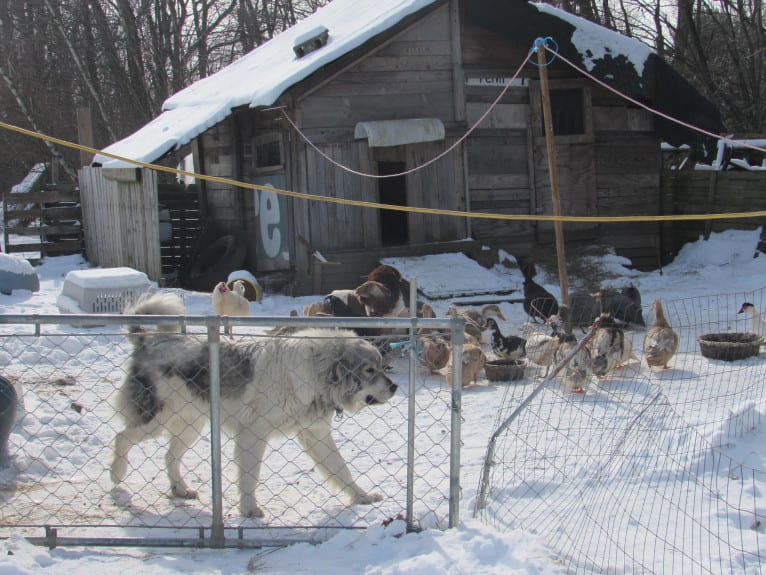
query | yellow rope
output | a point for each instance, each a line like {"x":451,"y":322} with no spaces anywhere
{"x":364,"y":204}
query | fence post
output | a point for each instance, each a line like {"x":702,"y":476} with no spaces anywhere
{"x":217,"y":539}
{"x":411,"y":401}
{"x":458,"y":326}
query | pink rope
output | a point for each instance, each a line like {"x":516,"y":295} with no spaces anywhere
{"x":429,"y":162}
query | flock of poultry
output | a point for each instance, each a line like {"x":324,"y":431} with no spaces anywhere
{"x":548,"y":339}
{"x":609,"y":311}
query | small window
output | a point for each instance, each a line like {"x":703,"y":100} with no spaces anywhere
{"x":568,"y":112}
{"x":267,"y":152}
{"x":571,"y":111}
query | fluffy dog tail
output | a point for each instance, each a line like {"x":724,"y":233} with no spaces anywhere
{"x":167,"y":303}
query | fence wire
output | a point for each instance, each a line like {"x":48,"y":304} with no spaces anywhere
{"x":649,"y":471}
{"x":61,"y":449}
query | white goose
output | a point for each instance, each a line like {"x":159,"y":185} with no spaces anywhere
{"x":757,"y":323}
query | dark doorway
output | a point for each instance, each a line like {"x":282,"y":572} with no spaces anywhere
{"x":393,"y":223}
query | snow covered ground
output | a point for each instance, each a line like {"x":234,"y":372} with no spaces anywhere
{"x":720,"y":410}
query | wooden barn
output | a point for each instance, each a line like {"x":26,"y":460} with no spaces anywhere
{"x":377,"y":88}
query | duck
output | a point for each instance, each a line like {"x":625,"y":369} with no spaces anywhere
{"x":473,"y":333}
{"x":539,"y":303}
{"x":434,"y":352}
{"x":660,"y":341}
{"x":506,"y":346}
{"x":478,"y":317}
{"x":577,"y":372}
{"x":422,"y":310}
{"x":607,"y":347}
{"x":757,"y":323}
{"x":540,"y":347}
{"x":473,"y":362}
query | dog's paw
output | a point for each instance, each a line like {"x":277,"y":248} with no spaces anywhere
{"x":183,"y":492}
{"x":366,"y":498}
{"x":249,"y":508}
{"x":118,"y":470}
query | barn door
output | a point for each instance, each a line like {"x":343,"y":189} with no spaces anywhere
{"x":267,"y":217}
{"x":269,"y":232}
{"x":575,"y":153}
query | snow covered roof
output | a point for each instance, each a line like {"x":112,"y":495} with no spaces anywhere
{"x":261,"y":76}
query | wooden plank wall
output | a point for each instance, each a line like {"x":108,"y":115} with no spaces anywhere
{"x":121,"y":221}
{"x":709,"y":192}
{"x":411,"y":76}
{"x":49,"y":217}
{"x":439,"y":185}
{"x":338,"y":226}
{"x":499,"y":151}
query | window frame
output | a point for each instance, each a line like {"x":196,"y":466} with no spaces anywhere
{"x":588,"y":135}
{"x":252,"y":154}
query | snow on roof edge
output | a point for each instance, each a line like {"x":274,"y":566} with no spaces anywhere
{"x":208,"y":101}
{"x":588,"y":39}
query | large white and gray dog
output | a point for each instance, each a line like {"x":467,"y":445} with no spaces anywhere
{"x":269,"y":385}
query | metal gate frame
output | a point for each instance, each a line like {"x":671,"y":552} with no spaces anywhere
{"x":217,"y":530}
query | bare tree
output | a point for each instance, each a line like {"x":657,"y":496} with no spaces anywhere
{"x":718,"y":45}
{"x":123,"y":58}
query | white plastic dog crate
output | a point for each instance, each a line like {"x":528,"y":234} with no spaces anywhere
{"x":107,"y":290}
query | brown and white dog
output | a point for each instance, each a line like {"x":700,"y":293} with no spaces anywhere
{"x":383,"y":292}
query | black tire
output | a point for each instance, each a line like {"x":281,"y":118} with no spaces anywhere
{"x":216,"y":262}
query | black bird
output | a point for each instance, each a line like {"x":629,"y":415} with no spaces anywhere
{"x":584,"y":309}
{"x":538,"y":302}
{"x":622,"y":308}
{"x":506,"y":346}
{"x":632,"y":292}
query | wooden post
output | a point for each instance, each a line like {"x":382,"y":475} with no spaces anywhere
{"x":550,"y":146}
{"x":85,"y":134}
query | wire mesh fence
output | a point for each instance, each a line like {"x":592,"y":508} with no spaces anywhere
{"x":651,"y":470}
{"x":64,"y":477}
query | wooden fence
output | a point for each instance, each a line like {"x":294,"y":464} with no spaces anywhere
{"x":121,"y":219}
{"x":709,"y":192}
{"x":47,"y":217}
{"x":179,"y":209}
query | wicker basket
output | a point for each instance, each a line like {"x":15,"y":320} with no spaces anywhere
{"x":504,"y":369}
{"x":729,"y":346}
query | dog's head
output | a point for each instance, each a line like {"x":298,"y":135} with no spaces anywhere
{"x":358,"y":378}
{"x":389,"y":276}
{"x":377,"y":297}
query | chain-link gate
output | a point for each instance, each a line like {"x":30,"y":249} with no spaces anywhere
{"x":62,"y":471}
